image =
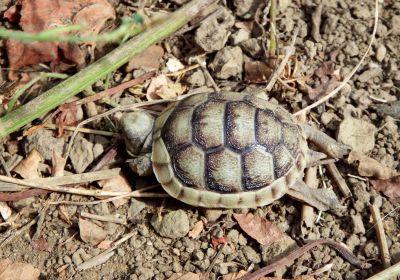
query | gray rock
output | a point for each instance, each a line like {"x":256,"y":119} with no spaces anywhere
{"x":76,"y":258}
{"x":196,"y":78}
{"x":357,"y":133}
{"x":81,"y":154}
{"x":358,"y":225}
{"x":246,"y":8}
{"x":175,"y":224}
{"x":352,"y":49}
{"x":252,"y":47}
{"x":369,"y":74}
{"x":251,"y":255}
{"x":380,"y":53}
{"x":212,"y":214}
{"x":277,"y":249}
{"x":142,"y":165}
{"x":239,"y":36}
{"x":228,"y":63}
{"x":214,"y":31}
{"x":41,"y":141}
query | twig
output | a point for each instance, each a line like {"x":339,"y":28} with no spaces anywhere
{"x":42,"y":216}
{"x":275,"y":75}
{"x":5,"y":167}
{"x":81,"y":130}
{"x":272,"y":36}
{"x":109,"y":219}
{"x":307,"y":212}
{"x":349,"y":76}
{"x":380,"y":232}
{"x":203,"y":67}
{"x":213,"y":262}
{"x":17,"y":233}
{"x":337,"y":177}
{"x":388,"y":273}
{"x":104,"y":256}
{"x":137,"y":193}
{"x":287,"y":260}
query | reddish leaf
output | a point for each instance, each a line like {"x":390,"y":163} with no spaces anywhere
{"x":215,"y":241}
{"x":41,"y":15}
{"x":257,"y":71}
{"x":258,"y":228}
{"x":90,"y":232}
{"x":370,"y":167}
{"x":390,"y":187}
{"x":40,"y":245}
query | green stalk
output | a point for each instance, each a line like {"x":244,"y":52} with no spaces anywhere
{"x":63,"y":91}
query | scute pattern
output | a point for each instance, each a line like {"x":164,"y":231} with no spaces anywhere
{"x":224,"y":143}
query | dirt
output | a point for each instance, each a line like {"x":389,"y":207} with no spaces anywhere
{"x":337,"y":31}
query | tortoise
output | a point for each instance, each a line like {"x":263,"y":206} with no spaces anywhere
{"x":236,"y":150}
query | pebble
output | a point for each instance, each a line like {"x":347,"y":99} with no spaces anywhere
{"x":251,"y":255}
{"x":357,"y":133}
{"x":358,"y":225}
{"x":212,"y":214}
{"x":76,"y":258}
{"x":370,"y":74}
{"x":228,"y":63}
{"x":67,"y":259}
{"x":175,"y":224}
{"x":380,"y":53}
{"x":239,"y":36}
{"x":120,"y":252}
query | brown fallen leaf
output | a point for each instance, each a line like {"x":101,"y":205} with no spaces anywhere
{"x":90,"y":232}
{"x":150,"y":58}
{"x":105,"y":244}
{"x":161,"y":87}
{"x":41,"y":15}
{"x":117,"y":184}
{"x":257,"y":71}
{"x":215,"y":241}
{"x":10,"y":270}
{"x":196,"y":230}
{"x":258,"y":228}
{"x":390,"y":187}
{"x":28,"y":167}
{"x":370,"y":167}
{"x":40,"y":245}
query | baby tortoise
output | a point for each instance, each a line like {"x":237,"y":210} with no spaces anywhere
{"x":231,"y":150}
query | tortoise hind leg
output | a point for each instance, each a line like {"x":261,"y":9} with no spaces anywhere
{"x":322,"y":199}
{"x":325,"y":143}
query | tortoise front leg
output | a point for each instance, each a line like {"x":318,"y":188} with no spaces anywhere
{"x":322,"y":199}
{"x":325,"y":143}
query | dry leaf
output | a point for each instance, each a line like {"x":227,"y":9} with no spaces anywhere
{"x":215,"y":241}
{"x":117,"y":184}
{"x":28,"y":168}
{"x":10,"y":270}
{"x":174,"y":65}
{"x":105,"y":244}
{"x":64,"y":214}
{"x":390,"y":187}
{"x":258,"y":228}
{"x":41,"y":15}
{"x":257,"y":71}
{"x":369,"y":167}
{"x":5,"y":211}
{"x":161,"y":87}
{"x":40,"y":245}
{"x":150,"y":58}
{"x":58,"y":164}
{"x":90,"y":232}
{"x":196,"y":230}
{"x":185,"y":276}
{"x":328,"y":77}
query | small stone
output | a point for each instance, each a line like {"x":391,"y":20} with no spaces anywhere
{"x":142,"y":165}
{"x":228,"y":63}
{"x":352,"y":49}
{"x":277,"y":249}
{"x":198,"y":255}
{"x":361,"y":12}
{"x":239,"y":36}
{"x":357,"y":133}
{"x":233,"y":236}
{"x":380,"y":53}
{"x":395,"y":25}
{"x":41,"y":141}
{"x":120,"y":252}
{"x":196,"y":78}
{"x":175,"y":224}
{"x":81,"y":154}
{"x":176,"y":267}
{"x":214,"y":32}
{"x":371,"y":250}
{"x":358,"y":225}
{"x":352,"y":241}
{"x":252,"y":47}
{"x":67,"y":259}
{"x":251,"y":255}
{"x":395,"y":252}
{"x":76,"y":258}
{"x":212,"y":214}
{"x":370,"y":74}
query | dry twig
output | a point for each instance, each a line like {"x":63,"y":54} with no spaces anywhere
{"x":380,"y":232}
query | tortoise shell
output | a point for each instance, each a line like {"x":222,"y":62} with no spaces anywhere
{"x":227,"y":150}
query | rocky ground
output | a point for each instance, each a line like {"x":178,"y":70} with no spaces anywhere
{"x":333,"y":34}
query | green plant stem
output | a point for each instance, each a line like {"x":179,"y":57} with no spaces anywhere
{"x":272,"y":35}
{"x":99,"y":69}
{"x":20,"y":91}
{"x":127,"y":28}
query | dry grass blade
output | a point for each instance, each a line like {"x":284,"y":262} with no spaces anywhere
{"x":380,"y":232}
